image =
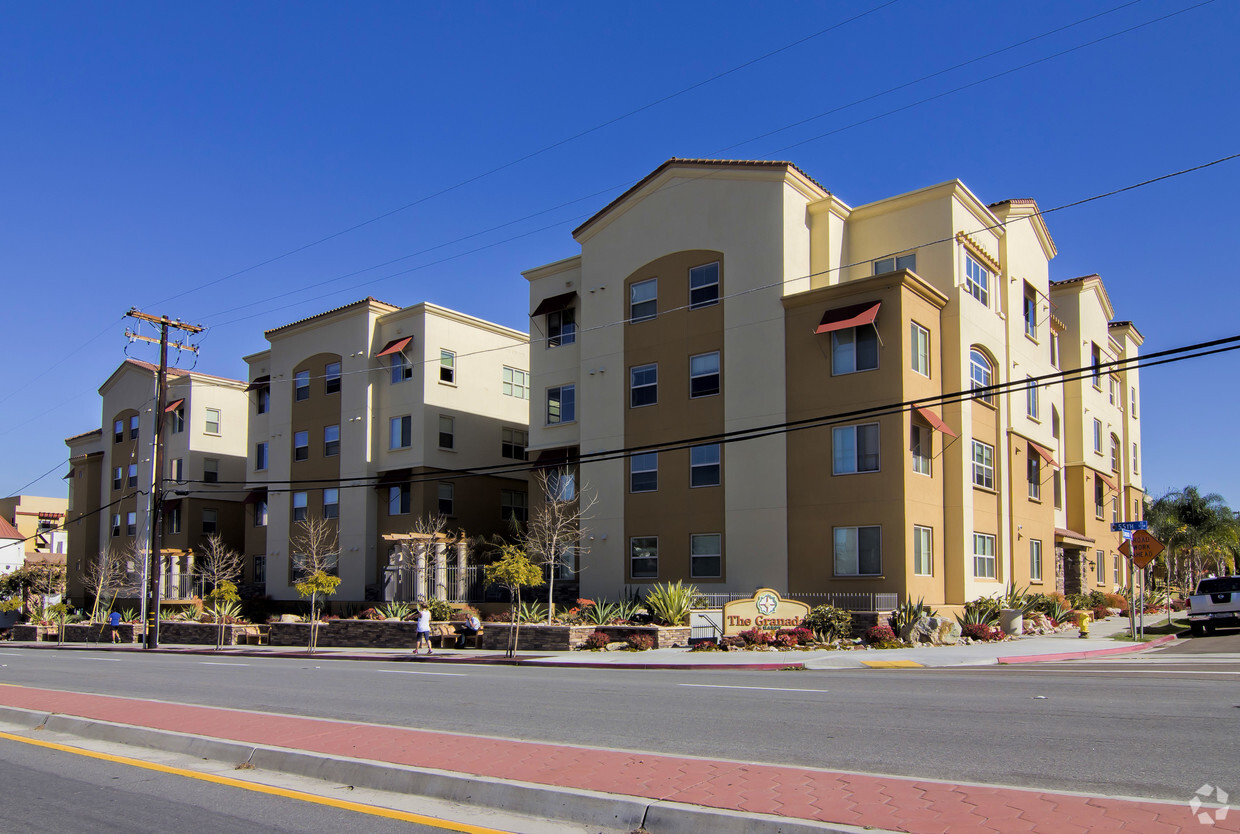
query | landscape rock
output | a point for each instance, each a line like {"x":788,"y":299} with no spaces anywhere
{"x":934,"y":631}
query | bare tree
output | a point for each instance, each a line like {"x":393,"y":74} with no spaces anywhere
{"x":220,"y":567}
{"x":315,"y":551}
{"x":108,"y":576}
{"x":554,"y":532}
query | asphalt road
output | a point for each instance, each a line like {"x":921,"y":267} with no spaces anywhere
{"x":1150,"y":728}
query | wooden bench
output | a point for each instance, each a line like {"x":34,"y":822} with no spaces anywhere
{"x":255,"y":636}
{"x":443,"y":636}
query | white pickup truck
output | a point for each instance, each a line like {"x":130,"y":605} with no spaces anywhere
{"x":1216,"y":603}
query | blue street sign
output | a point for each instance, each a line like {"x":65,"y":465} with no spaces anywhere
{"x":1119,"y":526}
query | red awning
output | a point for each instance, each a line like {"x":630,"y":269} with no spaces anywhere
{"x":256,"y":495}
{"x":554,"y":304}
{"x":1044,"y":453}
{"x":845,"y":317}
{"x":395,"y":346}
{"x":933,"y":419}
{"x":1072,"y":537}
{"x":171,"y":407}
{"x":259,"y":382}
{"x":1107,"y":481}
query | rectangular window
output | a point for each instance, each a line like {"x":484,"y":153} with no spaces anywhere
{"x":447,"y":498}
{"x":331,"y":503}
{"x":301,"y":386}
{"x":331,"y":441}
{"x":301,"y":445}
{"x":262,"y":400}
{"x":178,"y":469}
{"x":704,"y":466}
{"x":516,"y":383}
{"x":260,"y":513}
{"x":1097,"y":435}
{"x":644,"y":557}
{"x":1031,"y":312}
{"x":704,"y":374}
{"x":1115,"y":508}
{"x":1101,"y":562}
{"x":1035,"y":560}
{"x":172,"y":521}
{"x":562,"y":484}
{"x":398,"y":499}
{"x":1099,"y":499}
{"x":400,"y":432}
{"x":514,"y":505}
{"x":1115,"y":453}
{"x":331,"y":378}
{"x":1054,"y":422}
{"x":923,"y":551}
{"x":300,"y":504}
{"x":118,"y":477}
{"x":977,"y":279}
{"x":1132,"y":408}
{"x":983,"y":465}
{"x":116,"y":524}
{"x":885,"y":265}
{"x":1115,"y":568}
{"x":858,"y":551}
{"x":260,"y":455}
{"x":447,"y":367}
{"x":513,"y":443}
{"x":854,"y":449}
{"x":1095,"y":359}
{"x":705,"y":555}
{"x":983,"y":556}
{"x":1033,"y":403}
{"x":400,"y":368}
{"x":1033,"y":474}
{"x":1136,"y":460}
{"x":644,"y":472}
{"x":118,"y":431}
{"x":135,"y":425}
{"x":178,"y":420}
{"x":919,"y":444}
{"x":561,"y":404}
{"x":1055,"y":350}
{"x":260,"y":569}
{"x":133,"y":475}
{"x":704,"y":285}
{"x":643,"y":385}
{"x":561,"y":328}
{"x":210,"y":470}
{"x":131,"y":523}
{"x":1058,"y":489}
{"x":643,"y":300}
{"x":1113,"y":391}
{"x":919,"y":345}
{"x":447,"y":432}
{"x":210,"y":522}
{"x":854,"y":349}
{"x":212,"y":425}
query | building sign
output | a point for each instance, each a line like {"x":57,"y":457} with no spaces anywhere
{"x":765,"y":610}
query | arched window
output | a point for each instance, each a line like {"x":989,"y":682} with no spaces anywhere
{"x":982,"y":374}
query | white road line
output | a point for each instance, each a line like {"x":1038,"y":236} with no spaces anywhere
{"x":12,"y":654}
{"x":104,"y":659}
{"x":411,"y":672}
{"x":217,"y":663}
{"x":759,"y":688}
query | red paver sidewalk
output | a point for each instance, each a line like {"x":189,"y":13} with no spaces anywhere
{"x":893,"y":803}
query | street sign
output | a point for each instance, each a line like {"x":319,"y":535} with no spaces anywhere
{"x":1145,"y":548}
{"x":1120,"y":526}
{"x":1125,"y":548}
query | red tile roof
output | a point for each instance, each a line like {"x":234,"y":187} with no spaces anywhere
{"x":8,"y":531}
{"x":367,"y":300}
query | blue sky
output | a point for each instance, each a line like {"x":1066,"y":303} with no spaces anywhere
{"x":152,"y":150}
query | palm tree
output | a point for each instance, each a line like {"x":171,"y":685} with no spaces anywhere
{"x":1201,"y":532}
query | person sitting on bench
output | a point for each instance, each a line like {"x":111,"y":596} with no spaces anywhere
{"x":469,"y":628}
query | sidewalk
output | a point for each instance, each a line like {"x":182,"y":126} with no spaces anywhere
{"x":596,"y":787}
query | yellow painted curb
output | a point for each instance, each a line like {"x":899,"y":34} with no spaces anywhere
{"x":893,"y":664}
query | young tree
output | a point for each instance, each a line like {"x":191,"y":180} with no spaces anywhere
{"x":554,"y":532}
{"x":31,"y":582}
{"x":315,"y":551}
{"x":220,"y":567}
{"x":513,"y":571}
{"x":107,"y":576}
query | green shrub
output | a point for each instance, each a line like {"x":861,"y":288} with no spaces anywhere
{"x":394,"y":611}
{"x":981,"y":611}
{"x":829,"y":623}
{"x":441,"y":611}
{"x":670,"y":603}
{"x":908,"y":613}
{"x":532,"y":612}
{"x":601,"y":612}
{"x":597,"y":640}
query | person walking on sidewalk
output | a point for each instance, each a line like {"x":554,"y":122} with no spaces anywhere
{"x":424,"y":629}
{"x":114,"y":624}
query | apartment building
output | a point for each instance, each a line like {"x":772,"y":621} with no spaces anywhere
{"x":795,"y":382}
{"x":112,"y":472}
{"x":365,"y":416}
{"x":40,"y":521}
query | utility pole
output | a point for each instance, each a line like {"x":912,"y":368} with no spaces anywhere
{"x":154,"y":519}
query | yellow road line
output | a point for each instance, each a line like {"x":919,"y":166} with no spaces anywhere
{"x":893,"y":664}
{"x":372,"y":810}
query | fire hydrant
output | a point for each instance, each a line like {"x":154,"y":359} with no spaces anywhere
{"x":1082,"y":622}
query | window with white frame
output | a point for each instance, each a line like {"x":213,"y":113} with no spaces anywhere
{"x":854,"y":449}
{"x":562,"y":483}
{"x":1113,"y":394}
{"x":704,"y":466}
{"x":644,"y":557}
{"x":172,"y":521}
{"x":1095,"y":360}
{"x":1054,"y":422}
{"x":1057,"y":486}
{"x":514,"y":505}
{"x":919,"y":347}
{"x":885,"y":265}
{"x":1033,"y":474}
{"x":561,"y":328}
{"x":516,"y":383}
{"x":643,"y":385}
{"x":301,"y":445}
{"x":923,"y":550}
{"x":447,"y":367}
{"x":854,"y":349}
{"x":116,"y":524}
{"x":981,"y":374}
{"x":644,"y":472}
{"x":1132,"y":407}
{"x":1033,"y":402}
{"x":1099,"y":498}
{"x":983,"y":556}
{"x":401,"y":370}
{"x":131,"y":524}
{"x":858,"y":551}
{"x":705,"y":555}
{"x":118,"y":477}
{"x":1035,"y":560}
{"x":1055,"y":350}
{"x":1136,"y":460}
{"x":331,"y":441}
{"x":301,"y":386}
{"x":1031,"y":311}
{"x":919,"y":445}
{"x":447,"y":498}
{"x":210,"y":470}
{"x":398,"y":499}
{"x":178,"y":467}
{"x":178,"y":420}
{"x":704,"y":374}
{"x":447,"y":431}
{"x":1097,"y":435}
{"x":983,"y":465}
{"x":260,"y":569}
{"x":300,"y":505}
{"x":1115,"y":454}
{"x":1114,"y":508}
{"x":643,"y":300}
{"x":561,"y":404}
{"x":210,"y":522}
{"x":132,"y":479}
{"x":331,"y":503}
{"x":118,"y":431}
{"x":331,"y":378}
{"x":1100,"y":558}
{"x":704,"y":285}
{"x":1115,"y":568}
{"x":400,"y":432}
{"x":513,"y":442}
{"x":135,"y":425}
{"x":260,"y":512}
{"x":977,"y":279}
{"x":212,"y":424}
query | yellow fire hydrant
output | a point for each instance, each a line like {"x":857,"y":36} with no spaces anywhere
{"x":1082,"y":622}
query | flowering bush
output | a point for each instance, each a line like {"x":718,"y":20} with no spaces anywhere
{"x":1101,"y":612}
{"x":786,"y":641}
{"x":501,"y":617}
{"x":880,"y":634}
{"x":639,"y":642}
{"x":756,"y":637}
{"x":801,"y":636}
{"x":370,"y":614}
{"x":708,"y":645}
{"x":597,"y":640}
{"x":981,"y":631}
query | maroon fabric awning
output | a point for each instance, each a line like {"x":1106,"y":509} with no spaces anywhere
{"x":1044,"y":453}
{"x":1107,"y":481}
{"x":554,"y":304}
{"x":934,"y":420}
{"x":256,"y":495}
{"x":395,"y":346}
{"x":173,"y":406}
{"x":259,"y":382}
{"x":854,"y":315}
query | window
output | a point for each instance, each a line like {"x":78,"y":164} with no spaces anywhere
{"x":118,"y":431}
{"x":1114,"y":453}
{"x":301,"y":386}
{"x":513,"y":443}
{"x":919,"y":345}
{"x":447,"y":432}
{"x":643,"y":300}
{"x":1035,"y":560}
{"x":400,"y":432}
{"x":1113,"y":394}
{"x":1095,"y":359}
{"x":562,"y":484}
{"x":644,"y":472}
{"x":919,"y":444}
{"x":1031,"y":312}
{"x":178,"y":420}
{"x":858,"y":551}
{"x":1101,"y":561}
{"x":262,"y":400}
{"x":131,"y":523}
{"x":983,"y":465}
{"x":706,"y":555}
{"x":514,"y":505}
{"x":210,"y":522}
{"x":1132,"y":407}
{"x":704,"y":466}
{"x":260,"y":569}
{"x":1033,"y":473}
{"x":854,"y":349}
{"x":923,"y":552}
{"x":210,"y":470}
{"x":561,"y":404}
{"x":260,"y":513}
{"x":704,"y":285}
{"x":981,"y":374}
{"x":1054,"y":422}
{"x":331,"y":503}
{"x":447,"y":495}
{"x":516,"y":383}
{"x":331,"y":441}
{"x":1097,"y":435}
{"x":331,"y":378}
{"x":977,"y":279}
{"x":178,"y":468}
{"x":135,"y":424}
{"x":1114,"y":508}
{"x":118,"y":477}
{"x":1055,"y":350}
{"x":301,"y":445}
{"x":398,"y":499}
{"x":1058,"y":489}
{"x":983,"y":556}
{"x":447,"y":367}
{"x":1115,"y":568}
{"x":884,"y":265}
{"x":704,"y":374}
{"x":643,"y":385}
{"x":116,"y":524}
{"x":1033,"y":406}
{"x":854,"y":449}
{"x":133,"y":475}
{"x":212,"y":425}
{"x":299,"y":506}
{"x":561,"y":328}
{"x":172,"y":521}
{"x":1136,"y":460}
{"x":644,"y":557}
{"x":401,"y":370}
{"x":1099,"y":498}
{"x":260,"y":456}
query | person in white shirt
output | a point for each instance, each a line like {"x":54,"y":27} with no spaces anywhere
{"x":424,"y":629}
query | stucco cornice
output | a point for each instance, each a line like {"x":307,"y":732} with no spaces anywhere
{"x":869,"y":285}
{"x":554,"y":268}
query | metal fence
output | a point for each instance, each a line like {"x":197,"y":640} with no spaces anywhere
{"x":847,"y":601}
{"x":458,"y":584}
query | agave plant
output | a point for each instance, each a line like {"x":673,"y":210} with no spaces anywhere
{"x":910,"y":612}
{"x":627,"y":609}
{"x":128,"y":615}
{"x":532,"y":612}
{"x":1020,"y":599}
{"x":396,"y":610}
{"x":671,"y":603}
{"x":167,"y":613}
{"x":601,"y":612}
{"x":981,"y":611}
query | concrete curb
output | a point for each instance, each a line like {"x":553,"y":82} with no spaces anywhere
{"x":1088,"y":653}
{"x":521,"y":798}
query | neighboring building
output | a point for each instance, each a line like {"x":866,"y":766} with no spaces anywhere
{"x":363,"y":415}
{"x":720,"y":297}
{"x":40,"y":520}
{"x":85,"y":481}
{"x":12,"y":548}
